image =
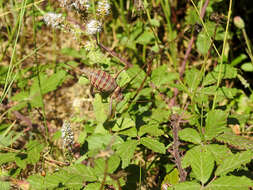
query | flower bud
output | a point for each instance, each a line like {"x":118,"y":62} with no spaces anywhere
{"x":238,"y":22}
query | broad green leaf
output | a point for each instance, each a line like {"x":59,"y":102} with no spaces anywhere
{"x":34,"y":148}
{"x":219,"y":152}
{"x":36,"y":182}
{"x":101,"y":109}
{"x":7,"y":157}
{"x":4,"y":185}
{"x":113,"y":163}
{"x":201,"y":162}
{"x":188,"y":186}
{"x":126,"y":151}
{"x":145,"y":38}
{"x":137,"y":75}
{"x":235,"y":140}
{"x":230,"y":183}
{"x":92,"y":186}
{"x":227,"y":72}
{"x":131,"y":132}
{"x":150,"y":129}
{"x":215,"y":123}
{"x":172,"y":178}
{"x":123,"y":123}
{"x":203,"y":42}
{"x":153,"y":144}
{"x":193,"y":78}
{"x":190,"y":135}
{"x":99,"y":141}
{"x":161,"y":76}
{"x":233,"y":162}
{"x":87,"y":173}
{"x":238,"y":59}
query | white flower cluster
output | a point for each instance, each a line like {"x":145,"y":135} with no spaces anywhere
{"x":54,"y":20}
{"x":103,"y":8}
{"x":79,"y":5}
{"x":67,"y":134}
{"x":93,"y":26}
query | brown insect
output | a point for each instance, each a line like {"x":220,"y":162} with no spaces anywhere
{"x":103,"y":82}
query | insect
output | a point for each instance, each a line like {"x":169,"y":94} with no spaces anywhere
{"x":103,"y":82}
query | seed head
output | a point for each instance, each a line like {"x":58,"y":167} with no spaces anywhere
{"x":54,"y":20}
{"x":93,"y":26}
{"x":103,"y":8}
{"x":239,"y":23}
{"x":67,"y":134}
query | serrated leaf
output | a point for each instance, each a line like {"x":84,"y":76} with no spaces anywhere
{"x":187,"y":186}
{"x":137,"y":75}
{"x":150,"y":129}
{"x":219,"y":152}
{"x":126,"y":151}
{"x":201,"y":162}
{"x":87,"y":173}
{"x":235,"y":140}
{"x":234,"y":161}
{"x":153,"y":144}
{"x":203,"y":42}
{"x":190,"y":135}
{"x":34,"y":148}
{"x":161,"y":76}
{"x":113,"y":163}
{"x":193,"y":78}
{"x":227,"y":72}
{"x":230,"y":183}
{"x":123,"y":123}
{"x":215,"y":123}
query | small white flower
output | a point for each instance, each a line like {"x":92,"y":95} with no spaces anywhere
{"x":89,"y":45}
{"x":103,"y":8}
{"x":53,"y":19}
{"x":93,"y":26}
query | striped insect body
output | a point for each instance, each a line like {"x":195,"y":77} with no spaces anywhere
{"x":104,"y":82}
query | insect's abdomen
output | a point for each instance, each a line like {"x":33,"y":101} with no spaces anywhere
{"x":102,"y":80}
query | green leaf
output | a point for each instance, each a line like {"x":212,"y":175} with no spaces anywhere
{"x":219,"y":152}
{"x":203,"y":42}
{"x":230,"y":183}
{"x":227,"y":72}
{"x":101,"y":109}
{"x":215,"y":123}
{"x":126,"y":151}
{"x":92,"y":186}
{"x":153,"y":144}
{"x":201,"y":162}
{"x":36,"y":182}
{"x":145,"y":38}
{"x":172,"y":178}
{"x":123,"y":123}
{"x":238,"y":59}
{"x":193,"y":78}
{"x":34,"y":148}
{"x":87,"y":173}
{"x":188,"y":186}
{"x":233,"y":162}
{"x":150,"y":129}
{"x":161,"y":76}
{"x":7,"y":157}
{"x":235,"y":140}
{"x":5,"y":185}
{"x":190,"y":135}
{"x":113,"y":163}
{"x":137,"y":75}
{"x":98,"y":141}
{"x":248,"y":67}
